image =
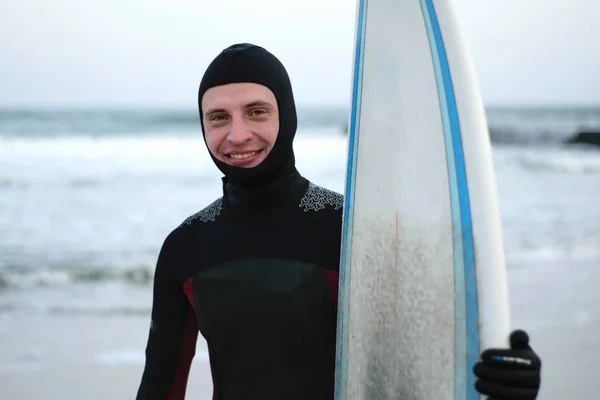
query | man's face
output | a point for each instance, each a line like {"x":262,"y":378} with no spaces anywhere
{"x":241,"y":122}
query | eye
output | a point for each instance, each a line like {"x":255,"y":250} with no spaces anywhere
{"x":258,"y":112}
{"x":218,"y":118}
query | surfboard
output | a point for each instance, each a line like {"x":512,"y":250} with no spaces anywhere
{"x":422,"y":277}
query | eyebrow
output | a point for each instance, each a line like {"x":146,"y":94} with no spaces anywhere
{"x":258,"y":103}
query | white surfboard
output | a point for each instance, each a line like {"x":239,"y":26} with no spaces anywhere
{"x":422,"y":286}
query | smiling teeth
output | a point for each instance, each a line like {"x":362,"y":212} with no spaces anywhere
{"x":245,"y":155}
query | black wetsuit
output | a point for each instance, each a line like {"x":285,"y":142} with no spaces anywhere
{"x":260,"y":283}
{"x":256,"y":272}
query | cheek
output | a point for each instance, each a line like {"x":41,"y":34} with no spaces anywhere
{"x":213,"y":140}
{"x":271,"y":136}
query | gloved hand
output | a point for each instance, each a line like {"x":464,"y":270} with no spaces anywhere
{"x":509,"y":374}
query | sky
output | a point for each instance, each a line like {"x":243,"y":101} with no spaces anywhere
{"x":151,"y":53}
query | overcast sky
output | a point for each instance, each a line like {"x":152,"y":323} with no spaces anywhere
{"x":153,"y":53}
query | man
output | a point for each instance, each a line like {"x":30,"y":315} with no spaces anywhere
{"x":256,"y":272}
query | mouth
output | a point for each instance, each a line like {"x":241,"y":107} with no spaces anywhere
{"x":245,"y":159}
{"x":241,"y":156}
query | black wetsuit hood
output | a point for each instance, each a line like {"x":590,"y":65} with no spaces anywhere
{"x":246,"y":62}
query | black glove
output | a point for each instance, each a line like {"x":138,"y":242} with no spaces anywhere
{"x":509,"y":374}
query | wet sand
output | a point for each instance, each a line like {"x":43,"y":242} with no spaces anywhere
{"x":81,"y":357}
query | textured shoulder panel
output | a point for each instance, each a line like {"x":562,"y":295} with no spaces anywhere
{"x":210,"y":213}
{"x":317,"y":198}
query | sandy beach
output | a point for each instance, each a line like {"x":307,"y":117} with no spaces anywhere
{"x":74,"y":356}
{"x":80,"y":357}
{"x":558,"y":303}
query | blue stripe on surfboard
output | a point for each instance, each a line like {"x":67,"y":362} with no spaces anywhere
{"x":460,"y":347}
{"x":341,"y":369}
{"x":466,"y":300}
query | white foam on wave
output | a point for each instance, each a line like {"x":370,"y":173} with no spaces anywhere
{"x":101,"y":299}
{"x":25,"y":278}
{"x":553,"y":253}
{"x":124,"y":357}
{"x":25,"y":361}
{"x":121,"y":357}
{"x":81,"y":161}
{"x":35,"y":279}
{"x":559,"y":160}
{"x":566,"y":163}
{"x":84,"y":160}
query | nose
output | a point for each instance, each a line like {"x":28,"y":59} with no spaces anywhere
{"x":240,"y":131}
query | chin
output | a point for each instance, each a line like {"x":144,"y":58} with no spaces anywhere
{"x":251,"y":165}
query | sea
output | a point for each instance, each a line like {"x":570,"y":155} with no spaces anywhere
{"x":88,"y":196}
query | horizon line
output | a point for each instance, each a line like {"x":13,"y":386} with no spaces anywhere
{"x":300,"y":106}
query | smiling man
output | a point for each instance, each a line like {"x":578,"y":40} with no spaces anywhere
{"x":256,"y":272}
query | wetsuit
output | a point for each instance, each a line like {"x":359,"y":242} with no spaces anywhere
{"x":255,"y":272}
{"x":262,"y":290}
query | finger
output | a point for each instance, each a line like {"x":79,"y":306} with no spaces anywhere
{"x":500,"y":392}
{"x":510,"y":377}
{"x":519,"y":339}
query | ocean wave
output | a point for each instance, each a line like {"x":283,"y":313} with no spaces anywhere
{"x":119,"y":357}
{"x":521,"y":137}
{"x":13,"y":278}
{"x":19,"y":182}
{"x":99,"y":310}
{"x":70,"y":182}
{"x":60,"y":123}
{"x":521,"y":126}
{"x":511,"y":136}
{"x":57,"y":123}
{"x":565,"y":165}
{"x":562,"y":162}
{"x":75,"y":310}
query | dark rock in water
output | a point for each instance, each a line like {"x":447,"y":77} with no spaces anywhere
{"x":585,"y":137}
